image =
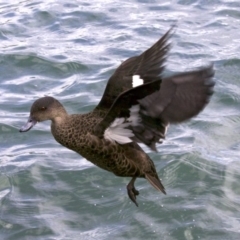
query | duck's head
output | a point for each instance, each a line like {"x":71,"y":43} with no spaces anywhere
{"x":45,"y":108}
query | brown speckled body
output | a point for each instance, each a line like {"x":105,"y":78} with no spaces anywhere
{"x":76,"y":133}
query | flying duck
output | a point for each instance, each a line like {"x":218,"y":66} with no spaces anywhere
{"x":137,"y":106}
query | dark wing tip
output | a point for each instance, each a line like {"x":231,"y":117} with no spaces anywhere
{"x":151,"y":62}
{"x":208,"y":74}
{"x":208,"y":71}
{"x":181,"y":96}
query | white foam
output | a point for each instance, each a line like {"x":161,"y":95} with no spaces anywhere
{"x":136,"y":80}
{"x":166,"y":128}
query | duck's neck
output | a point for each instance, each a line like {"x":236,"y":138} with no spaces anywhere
{"x":60,"y":117}
{"x":59,"y":120}
{"x":58,"y":126}
{"x":59,"y":114}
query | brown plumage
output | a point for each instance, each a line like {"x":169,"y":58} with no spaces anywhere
{"x":109,"y":135}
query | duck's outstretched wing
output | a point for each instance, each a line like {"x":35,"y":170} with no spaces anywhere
{"x":134,"y":71}
{"x":142,"y":114}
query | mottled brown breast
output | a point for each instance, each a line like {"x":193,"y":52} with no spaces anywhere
{"x":76,"y":133}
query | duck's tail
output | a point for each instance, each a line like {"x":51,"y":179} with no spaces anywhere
{"x":155,"y":182}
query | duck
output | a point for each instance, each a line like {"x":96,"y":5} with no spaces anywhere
{"x":136,"y":108}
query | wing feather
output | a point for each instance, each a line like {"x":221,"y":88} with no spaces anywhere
{"x":147,"y":110}
{"x":150,"y":62}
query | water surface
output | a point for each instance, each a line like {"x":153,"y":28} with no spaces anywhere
{"x":69,"y":50}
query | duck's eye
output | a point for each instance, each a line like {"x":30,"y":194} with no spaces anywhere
{"x":43,"y":108}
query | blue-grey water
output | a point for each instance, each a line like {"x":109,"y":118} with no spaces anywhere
{"x":69,"y":49}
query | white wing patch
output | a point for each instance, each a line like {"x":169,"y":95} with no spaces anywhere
{"x":118,"y":132}
{"x":136,"y":80}
{"x":134,"y":118}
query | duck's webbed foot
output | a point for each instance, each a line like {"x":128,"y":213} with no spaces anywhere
{"x":132,"y":191}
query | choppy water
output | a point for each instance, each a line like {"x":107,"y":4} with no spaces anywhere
{"x":68,"y":49}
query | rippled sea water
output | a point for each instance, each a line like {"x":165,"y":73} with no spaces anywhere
{"x":68,"y":49}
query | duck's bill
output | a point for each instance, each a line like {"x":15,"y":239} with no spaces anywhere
{"x":30,"y":123}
